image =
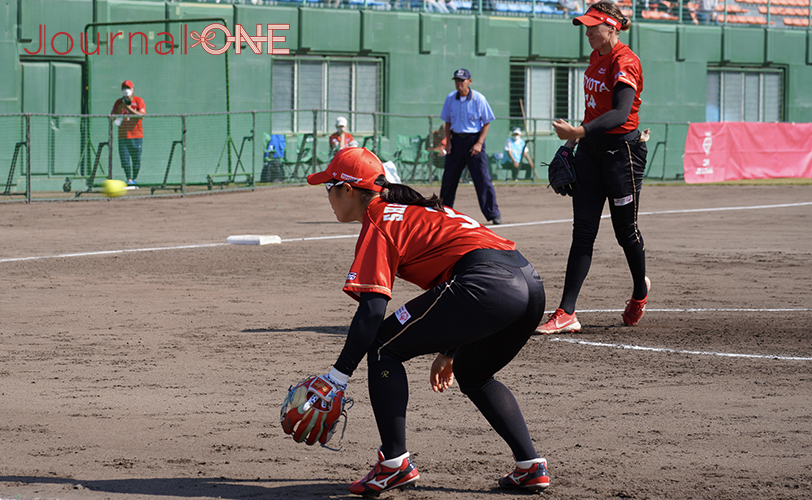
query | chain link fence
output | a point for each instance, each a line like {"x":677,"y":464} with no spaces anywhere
{"x":46,"y":156}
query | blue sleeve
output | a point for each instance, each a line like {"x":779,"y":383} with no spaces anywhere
{"x":445,"y":114}
{"x":485,"y":111}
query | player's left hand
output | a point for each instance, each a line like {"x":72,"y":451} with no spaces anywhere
{"x":476,"y":149}
{"x":442,"y":373}
{"x":312,"y":408}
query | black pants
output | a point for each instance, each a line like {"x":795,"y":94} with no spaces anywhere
{"x":487,"y":312}
{"x":608,"y":167}
{"x":455,"y":163}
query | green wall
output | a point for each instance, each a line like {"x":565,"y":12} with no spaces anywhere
{"x":420,"y":52}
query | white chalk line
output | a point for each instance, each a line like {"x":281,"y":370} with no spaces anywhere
{"x":678,"y":351}
{"x":582,"y":342}
{"x":704,"y":309}
{"x":665,"y":212}
{"x":316,"y":238}
{"x":109,"y":252}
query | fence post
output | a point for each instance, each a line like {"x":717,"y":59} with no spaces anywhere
{"x":375,"y":133}
{"x":315,"y":131}
{"x":430,"y":147}
{"x":254,"y":150}
{"x":28,"y":157}
{"x":183,"y":156}
{"x":535,"y":151}
{"x":665,"y":151}
{"x":109,"y":148}
{"x":769,"y":8}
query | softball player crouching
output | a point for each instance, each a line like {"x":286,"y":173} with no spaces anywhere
{"x":482,"y":303}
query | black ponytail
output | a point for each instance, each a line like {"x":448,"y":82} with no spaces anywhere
{"x":405,"y":195}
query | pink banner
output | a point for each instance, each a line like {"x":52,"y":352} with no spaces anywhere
{"x":725,"y":151}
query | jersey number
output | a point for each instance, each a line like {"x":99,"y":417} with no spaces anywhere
{"x":469,"y":222}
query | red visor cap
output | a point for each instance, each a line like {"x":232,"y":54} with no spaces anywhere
{"x":594,"y":18}
{"x":357,"y":166}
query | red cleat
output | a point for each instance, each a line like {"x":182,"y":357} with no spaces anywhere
{"x":559,"y":322}
{"x":635,"y":308}
{"x":386,"y":475}
{"x":529,"y":475}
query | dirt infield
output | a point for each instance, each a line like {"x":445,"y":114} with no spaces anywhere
{"x":158,"y":373}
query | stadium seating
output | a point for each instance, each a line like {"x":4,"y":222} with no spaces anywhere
{"x":791,"y":13}
{"x":784,"y":11}
{"x":739,"y":19}
{"x":732,"y":9}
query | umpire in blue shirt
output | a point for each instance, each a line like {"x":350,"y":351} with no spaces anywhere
{"x":467,"y":116}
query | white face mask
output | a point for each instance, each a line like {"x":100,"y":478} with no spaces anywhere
{"x":127,"y":92}
{"x":515,"y":137}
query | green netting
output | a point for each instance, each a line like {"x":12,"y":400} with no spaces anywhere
{"x":13,"y":164}
{"x":140,"y":55}
{"x":155,"y":56}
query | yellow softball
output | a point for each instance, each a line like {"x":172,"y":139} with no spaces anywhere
{"x":113,"y":188}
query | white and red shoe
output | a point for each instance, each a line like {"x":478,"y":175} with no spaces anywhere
{"x":529,"y":475}
{"x":635,"y":308}
{"x":386,"y":475}
{"x":559,"y":322}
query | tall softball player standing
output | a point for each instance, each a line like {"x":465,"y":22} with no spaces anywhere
{"x":481,"y":305}
{"x":609,"y":163}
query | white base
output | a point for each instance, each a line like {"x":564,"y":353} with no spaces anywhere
{"x":253,"y":239}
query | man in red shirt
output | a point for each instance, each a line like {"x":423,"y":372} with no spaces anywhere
{"x":130,"y":130}
{"x":481,"y":304}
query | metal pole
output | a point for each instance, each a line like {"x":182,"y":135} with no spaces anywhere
{"x":253,"y":150}
{"x":375,"y":133}
{"x":315,"y":131}
{"x":109,"y":148}
{"x":430,"y":147}
{"x":28,"y":157}
{"x":183,"y":157}
{"x":665,"y":143}
{"x":535,"y":149}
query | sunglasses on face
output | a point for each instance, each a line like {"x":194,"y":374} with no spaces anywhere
{"x":331,"y":185}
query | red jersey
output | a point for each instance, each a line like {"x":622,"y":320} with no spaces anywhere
{"x":130,"y":127}
{"x":600,"y":78}
{"x":417,"y":244}
{"x":335,"y":140}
